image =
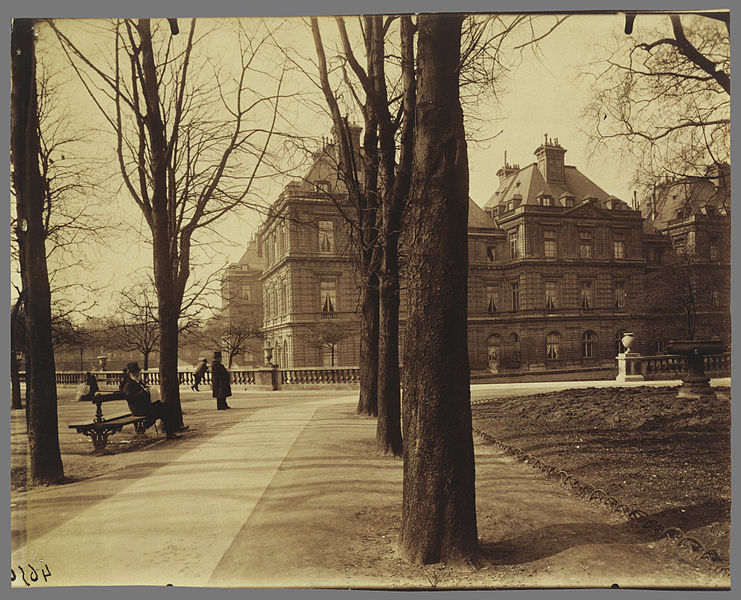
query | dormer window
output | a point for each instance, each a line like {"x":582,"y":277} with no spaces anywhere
{"x":569,"y":201}
{"x":510,"y":205}
{"x":545,"y":200}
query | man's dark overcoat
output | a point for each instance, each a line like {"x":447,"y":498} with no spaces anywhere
{"x":220,"y":386}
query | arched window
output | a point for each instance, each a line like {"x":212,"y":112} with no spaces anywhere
{"x":514,"y":347}
{"x":588,"y":339}
{"x":494,"y":351}
{"x":285,"y":352}
{"x":553,"y":346}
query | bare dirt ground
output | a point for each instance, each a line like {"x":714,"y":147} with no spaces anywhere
{"x":643,"y":446}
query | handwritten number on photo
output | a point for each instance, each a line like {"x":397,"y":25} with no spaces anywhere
{"x":33,"y":574}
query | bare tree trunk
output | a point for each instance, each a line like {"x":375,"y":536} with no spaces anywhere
{"x":439,"y":505}
{"x":15,"y":383}
{"x":168,"y":363}
{"x":388,"y":427}
{"x":368,"y":403}
{"x":15,"y":378}
{"x":45,"y":460}
{"x":166,"y":261}
{"x":396,"y":177}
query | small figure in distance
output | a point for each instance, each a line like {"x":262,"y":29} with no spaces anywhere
{"x":199,"y":372}
{"x":220,"y":386}
{"x":89,"y":387}
{"x":140,"y":402}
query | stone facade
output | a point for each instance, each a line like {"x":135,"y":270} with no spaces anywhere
{"x":309,"y":278}
{"x":558,"y":269}
{"x":242,"y":299}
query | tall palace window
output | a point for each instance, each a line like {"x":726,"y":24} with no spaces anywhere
{"x":585,"y":244}
{"x":326,"y":236}
{"x":619,"y":295}
{"x":516,"y":296}
{"x":549,"y":243}
{"x":552,"y":345}
{"x":618,"y":245}
{"x":587,"y":344}
{"x":513,"y":244}
{"x":492,"y":299}
{"x":586,"y":295}
{"x":550,"y":294}
{"x":328,"y":290}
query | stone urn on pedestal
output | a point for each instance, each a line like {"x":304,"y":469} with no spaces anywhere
{"x":268,"y":356}
{"x":267,"y":376}
{"x":629,"y":362}
{"x":695,"y":384}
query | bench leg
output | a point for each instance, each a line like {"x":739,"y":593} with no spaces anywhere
{"x":100,"y":440}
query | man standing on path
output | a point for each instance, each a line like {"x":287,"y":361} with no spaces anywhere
{"x":199,"y":373}
{"x":220,"y":382}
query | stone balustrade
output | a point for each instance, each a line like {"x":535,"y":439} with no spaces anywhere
{"x":659,"y":367}
{"x":319,"y":375}
{"x":302,"y":376}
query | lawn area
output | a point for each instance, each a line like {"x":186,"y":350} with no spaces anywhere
{"x":648,"y":449}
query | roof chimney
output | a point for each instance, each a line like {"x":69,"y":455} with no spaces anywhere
{"x":550,"y":160}
{"x":507,"y":169}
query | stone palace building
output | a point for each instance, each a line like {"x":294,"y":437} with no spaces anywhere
{"x":558,"y":269}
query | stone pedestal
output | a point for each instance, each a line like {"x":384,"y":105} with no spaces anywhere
{"x":268,"y":378}
{"x":695,"y":384}
{"x":629,"y":367}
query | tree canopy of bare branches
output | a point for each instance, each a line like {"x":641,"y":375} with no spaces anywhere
{"x":664,"y":97}
{"x":189,"y":139}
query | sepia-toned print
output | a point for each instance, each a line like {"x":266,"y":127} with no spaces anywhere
{"x":384,"y":302}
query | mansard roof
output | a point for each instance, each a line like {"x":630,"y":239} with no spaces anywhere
{"x":530,"y":184}
{"x":251,"y":257}
{"x":680,"y":199}
{"x":479,"y":218}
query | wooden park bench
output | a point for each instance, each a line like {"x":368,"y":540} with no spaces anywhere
{"x":101,"y":428}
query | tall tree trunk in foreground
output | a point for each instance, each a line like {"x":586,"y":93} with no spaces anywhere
{"x":363,"y":196}
{"x":439,"y":505}
{"x":15,"y":378}
{"x":368,"y":400}
{"x":396,"y":179}
{"x":45,"y":459}
{"x":165,"y":260}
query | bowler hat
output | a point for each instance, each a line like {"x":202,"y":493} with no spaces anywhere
{"x":217,"y":354}
{"x":133,"y":367}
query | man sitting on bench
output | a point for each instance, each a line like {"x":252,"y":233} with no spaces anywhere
{"x":140,"y":401}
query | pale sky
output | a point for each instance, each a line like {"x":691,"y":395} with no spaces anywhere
{"x":543,"y":95}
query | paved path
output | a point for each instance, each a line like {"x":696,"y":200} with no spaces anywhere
{"x":200,"y":497}
{"x":292,"y":495}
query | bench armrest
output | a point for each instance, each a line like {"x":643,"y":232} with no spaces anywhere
{"x":100,"y":398}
